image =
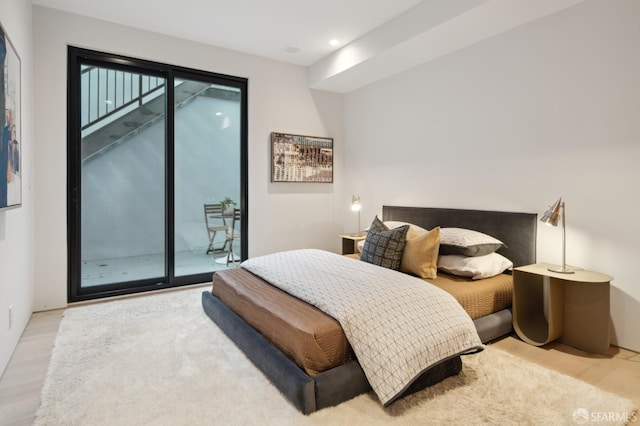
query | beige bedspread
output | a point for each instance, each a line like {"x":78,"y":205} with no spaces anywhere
{"x":397,"y":326}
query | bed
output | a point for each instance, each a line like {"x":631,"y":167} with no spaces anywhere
{"x":322,"y":384}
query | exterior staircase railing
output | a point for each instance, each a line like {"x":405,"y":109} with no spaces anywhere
{"x":117,"y":105}
{"x":110,"y":92}
{"x":147,"y":108}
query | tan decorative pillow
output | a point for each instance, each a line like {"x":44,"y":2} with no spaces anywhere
{"x":420,"y":255}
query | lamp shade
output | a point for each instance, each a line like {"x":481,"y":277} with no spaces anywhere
{"x":551,"y":217}
{"x":552,"y":214}
{"x":355,"y":203}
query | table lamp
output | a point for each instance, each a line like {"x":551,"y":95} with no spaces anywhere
{"x":551,"y":217}
{"x":356,"y":207}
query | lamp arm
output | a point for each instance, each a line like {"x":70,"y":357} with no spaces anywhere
{"x":564,"y":239}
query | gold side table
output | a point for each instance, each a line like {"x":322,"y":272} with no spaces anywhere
{"x":577,"y":307}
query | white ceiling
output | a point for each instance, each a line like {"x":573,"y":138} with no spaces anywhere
{"x":379,"y":38}
{"x":260,"y":27}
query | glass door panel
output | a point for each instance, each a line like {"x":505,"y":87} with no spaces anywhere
{"x":123,"y":176}
{"x":207,"y":167}
{"x":150,"y":145}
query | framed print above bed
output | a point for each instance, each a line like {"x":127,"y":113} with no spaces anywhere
{"x":10,"y":139}
{"x":297,"y":158}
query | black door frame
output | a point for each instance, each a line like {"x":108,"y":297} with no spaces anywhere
{"x":78,"y":57}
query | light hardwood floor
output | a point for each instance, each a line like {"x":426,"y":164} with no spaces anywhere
{"x":617,"y":371}
{"x":22,"y":381}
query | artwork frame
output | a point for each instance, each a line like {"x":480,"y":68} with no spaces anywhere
{"x":301,"y":158}
{"x":10,"y":125}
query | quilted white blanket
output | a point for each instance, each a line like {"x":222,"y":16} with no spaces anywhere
{"x":397,"y":325}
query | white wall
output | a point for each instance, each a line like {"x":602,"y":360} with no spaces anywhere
{"x":281,"y":216}
{"x":16,"y":225}
{"x":546,"y":110}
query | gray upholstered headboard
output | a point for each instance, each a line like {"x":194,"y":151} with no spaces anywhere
{"x":516,"y":230}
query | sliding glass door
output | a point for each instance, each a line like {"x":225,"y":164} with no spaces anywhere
{"x":123,"y":174}
{"x":207,"y":166}
{"x":150,"y":146}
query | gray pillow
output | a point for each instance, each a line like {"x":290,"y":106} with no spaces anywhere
{"x":467,"y":242}
{"x":383,"y":246}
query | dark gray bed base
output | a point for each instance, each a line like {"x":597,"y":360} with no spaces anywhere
{"x":309,"y":394}
{"x":306,"y":393}
{"x":516,"y":230}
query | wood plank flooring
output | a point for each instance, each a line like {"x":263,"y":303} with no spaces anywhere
{"x":617,"y":371}
{"x":22,"y":381}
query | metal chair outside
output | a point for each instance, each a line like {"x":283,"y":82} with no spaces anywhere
{"x":232,"y":221}
{"x":215,"y":223}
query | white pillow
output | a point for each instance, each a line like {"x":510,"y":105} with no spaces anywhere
{"x":476,"y":267}
{"x":392,"y":224}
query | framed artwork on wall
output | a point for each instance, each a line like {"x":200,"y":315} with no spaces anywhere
{"x":298,"y":158}
{"x":10,"y":120}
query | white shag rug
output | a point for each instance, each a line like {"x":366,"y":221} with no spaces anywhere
{"x":160,"y":360}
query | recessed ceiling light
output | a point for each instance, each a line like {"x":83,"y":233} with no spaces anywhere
{"x":334,"y":42}
{"x":291,"y":49}
{"x":218,"y":114}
